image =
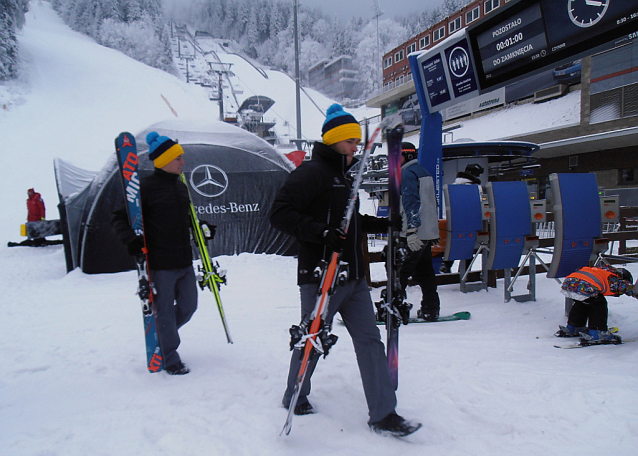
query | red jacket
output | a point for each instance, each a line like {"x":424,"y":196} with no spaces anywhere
{"x":35,"y":208}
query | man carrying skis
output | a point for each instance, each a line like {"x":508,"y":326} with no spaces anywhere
{"x":310,"y":206}
{"x":166,"y":212}
{"x":421,"y":225}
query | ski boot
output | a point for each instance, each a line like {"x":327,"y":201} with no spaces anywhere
{"x":428,"y":315}
{"x":597,"y":337}
{"x":570,"y":331}
{"x":395,"y":425}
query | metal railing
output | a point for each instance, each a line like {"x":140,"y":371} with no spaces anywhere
{"x":391,"y":85}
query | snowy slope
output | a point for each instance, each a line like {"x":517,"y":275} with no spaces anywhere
{"x":77,"y":96}
{"x":73,"y":380}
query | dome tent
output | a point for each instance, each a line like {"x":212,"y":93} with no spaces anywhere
{"x":232,"y":175}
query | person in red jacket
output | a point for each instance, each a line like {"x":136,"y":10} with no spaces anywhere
{"x":35,"y":206}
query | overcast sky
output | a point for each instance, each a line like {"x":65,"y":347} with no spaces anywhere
{"x":362,"y":8}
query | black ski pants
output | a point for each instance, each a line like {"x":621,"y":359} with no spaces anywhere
{"x":592,"y":312}
{"x":418,"y":265}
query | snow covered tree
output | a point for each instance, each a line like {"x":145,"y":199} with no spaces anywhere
{"x":252,"y":33}
{"x":8,"y":46}
{"x":339,"y":44}
{"x":135,"y":27}
{"x":263,"y":29}
{"x":391,"y":34}
{"x":451,"y":6}
{"x":11,"y":19}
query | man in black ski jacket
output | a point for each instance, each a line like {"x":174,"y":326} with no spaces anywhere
{"x":310,"y":207}
{"x":166,"y":212}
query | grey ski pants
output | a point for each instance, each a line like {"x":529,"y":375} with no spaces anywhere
{"x":352,"y":300}
{"x":175,"y":304}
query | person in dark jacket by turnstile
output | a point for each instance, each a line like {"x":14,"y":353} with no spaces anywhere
{"x":420,"y":229}
{"x":166,"y":212}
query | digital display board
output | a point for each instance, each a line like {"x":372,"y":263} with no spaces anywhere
{"x":435,"y":81}
{"x":528,"y":36}
{"x":447,"y":73}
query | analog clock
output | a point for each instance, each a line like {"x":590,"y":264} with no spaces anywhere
{"x":586,"y":13}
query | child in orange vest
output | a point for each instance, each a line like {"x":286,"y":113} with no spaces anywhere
{"x":588,"y":287}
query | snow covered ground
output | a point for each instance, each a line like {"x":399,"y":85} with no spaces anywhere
{"x":73,"y":380}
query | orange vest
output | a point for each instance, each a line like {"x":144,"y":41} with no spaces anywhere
{"x":597,"y":277}
{"x":439,"y":249}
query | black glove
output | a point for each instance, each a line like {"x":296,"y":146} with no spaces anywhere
{"x":135,"y":246}
{"x":334,"y":238}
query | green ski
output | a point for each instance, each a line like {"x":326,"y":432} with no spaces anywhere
{"x":211,"y":277}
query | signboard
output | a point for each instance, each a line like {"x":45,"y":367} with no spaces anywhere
{"x":480,"y":103}
{"x":528,"y":36}
{"x":447,"y":73}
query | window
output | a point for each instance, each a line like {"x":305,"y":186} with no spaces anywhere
{"x":439,"y":33}
{"x":424,"y":42}
{"x":398,"y":81}
{"x":410,"y":48}
{"x":491,"y":5}
{"x":626,"y":175}
{"x":398,"y":56}
{"x":454,"y":25}
{"x":472,"y":15}
{"x":387,"y":62}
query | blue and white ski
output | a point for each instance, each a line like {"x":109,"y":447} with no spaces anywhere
{"x":126,"y":151}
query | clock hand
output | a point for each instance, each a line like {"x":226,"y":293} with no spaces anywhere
{"x":593,"y":3}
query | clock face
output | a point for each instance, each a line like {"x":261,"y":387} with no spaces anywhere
{"x":585,"y":13}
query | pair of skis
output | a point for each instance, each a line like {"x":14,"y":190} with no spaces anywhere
{"x":395,"y":309}
{"x":211,"y":277}
{"x":331,"y":272}
{"x":126,"y":151}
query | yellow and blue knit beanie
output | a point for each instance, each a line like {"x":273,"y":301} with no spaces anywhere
{"x":339,"y":126}
{"x":162,"y":149}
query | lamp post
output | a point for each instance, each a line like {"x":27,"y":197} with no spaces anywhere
{"x":297,"y":82}
{"x":376,"y":9}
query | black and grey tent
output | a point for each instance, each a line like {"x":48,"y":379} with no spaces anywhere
{"x":232,"y":175}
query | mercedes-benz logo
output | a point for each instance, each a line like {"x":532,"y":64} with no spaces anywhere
{"x":209,"y":181}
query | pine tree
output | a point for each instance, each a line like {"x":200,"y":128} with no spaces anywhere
{"x":11,"y":19}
